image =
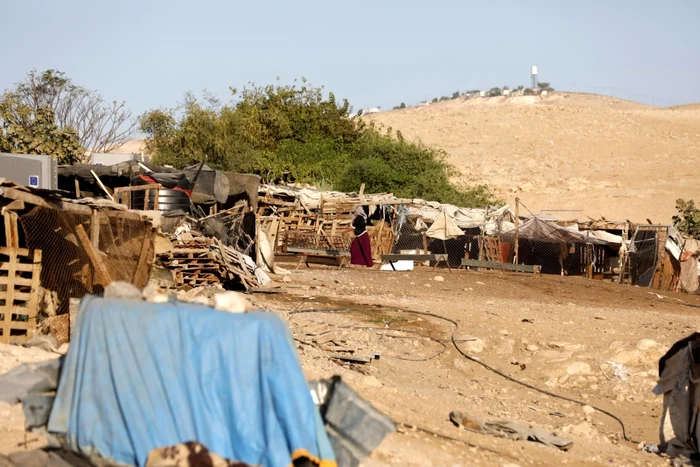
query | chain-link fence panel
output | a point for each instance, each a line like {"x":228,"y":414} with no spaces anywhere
{"x":82,"y":253}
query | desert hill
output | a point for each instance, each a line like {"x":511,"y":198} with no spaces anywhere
{"x":567,"y":151}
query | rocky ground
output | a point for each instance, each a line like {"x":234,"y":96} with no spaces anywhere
{"x":591,"y":341}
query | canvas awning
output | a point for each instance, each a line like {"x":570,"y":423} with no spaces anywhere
{"x":444,"y":228}
{"x":538,"y":230}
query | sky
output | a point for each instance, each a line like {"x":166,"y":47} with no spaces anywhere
{"x":375,"y":53}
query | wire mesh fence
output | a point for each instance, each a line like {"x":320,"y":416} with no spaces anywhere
{"x":555,"y":254}
{"x":82,"y":253}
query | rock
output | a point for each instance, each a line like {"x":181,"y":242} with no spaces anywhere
{"x":472,"y":347}
{"x":627,"y":357}
{"x":232,"y":302}
{"x":123,"y":290}
{"x":646,"y":344}
{"x":503,"y":332}
{"x":372,"y":381}
{"x":532,"y":348}
{"x":553,"y":356}
{"x":505,"y":347}
{"x":565,"y":346}
{"x":460,"y":363}
{"x":287,"y":279}
{"x":578,"y":368}
{"x":439,"y":279}
{"x":480,"y":283}
{"x":427,"y":285}
{"x":588,"y":410}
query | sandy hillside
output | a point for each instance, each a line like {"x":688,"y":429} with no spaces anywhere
{"x":567,"y":151}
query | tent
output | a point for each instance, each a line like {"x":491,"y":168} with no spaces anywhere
{"x":444,"y":228}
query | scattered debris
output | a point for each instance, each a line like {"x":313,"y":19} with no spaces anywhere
{"x":510,"y":430}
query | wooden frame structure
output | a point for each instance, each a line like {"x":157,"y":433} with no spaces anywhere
{"x":122,"y":195}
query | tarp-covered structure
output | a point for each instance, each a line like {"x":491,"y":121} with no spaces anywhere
{"x":429,"y":211}
{"x":140,"y":376}
{"x":538,"y":230}
{"x":211,"y":185}
{"x":444,"y":228}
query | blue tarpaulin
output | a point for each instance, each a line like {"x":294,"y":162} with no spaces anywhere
{"x":140,"y":376}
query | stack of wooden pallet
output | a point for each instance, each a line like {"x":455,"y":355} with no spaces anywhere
{"x":19,"y":289}
{"x":206,"y":261}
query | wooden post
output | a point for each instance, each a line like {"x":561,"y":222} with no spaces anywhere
{"x":425,"y":244}
{"x":95,"y":229}
{"x":101,"y":185}
{"x":362,"y":191}
{"x":11,"y":230}
{"x":517,"y":228}
{"x":77,"y":187}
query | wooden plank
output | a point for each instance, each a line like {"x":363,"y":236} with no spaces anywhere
{"x":17,"y":281}
{"x":414,"y":257}
{"x":348,"y":358}
{"x":5,"y":250}
{"x":16,"y":205}
{"x":102,"y":185}
{"x":102,"y":276}
{"x":142,"y":270}
{"x":30,"y":198}
{"x":9,"y":297}
{"x":497,"y":265}
{"x":11,"y":230}
{"x":95,"y":229}
{"x":34,"y":299}
{"x":319,"y":252}
{"x":18,"y":267}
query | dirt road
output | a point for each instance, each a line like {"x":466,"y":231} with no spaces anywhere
{"x":554,"y":333}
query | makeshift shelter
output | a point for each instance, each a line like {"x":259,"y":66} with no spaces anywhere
{"x":444,"y":228}
{"x":557,"y":249}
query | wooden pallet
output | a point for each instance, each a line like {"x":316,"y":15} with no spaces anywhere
{"x":20,"y":271}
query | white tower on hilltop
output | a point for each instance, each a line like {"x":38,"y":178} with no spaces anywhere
{"x":533,"y":76}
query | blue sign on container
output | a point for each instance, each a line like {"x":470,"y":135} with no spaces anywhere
{"x":34,"y":181}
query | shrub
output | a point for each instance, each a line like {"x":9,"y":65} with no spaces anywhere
{"x":294,"y":133}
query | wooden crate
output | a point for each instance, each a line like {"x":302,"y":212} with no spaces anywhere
{"x":20,"y":272}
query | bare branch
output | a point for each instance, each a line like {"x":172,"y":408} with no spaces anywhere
{"x":101,"y":126}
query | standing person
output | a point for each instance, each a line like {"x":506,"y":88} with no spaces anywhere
{"x":360,"y":249}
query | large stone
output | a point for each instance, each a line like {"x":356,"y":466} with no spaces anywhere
{"x":505,"y":347}
{"x":472,"y":347}
{"x":646,"y":344}
{"x":578,"y":368}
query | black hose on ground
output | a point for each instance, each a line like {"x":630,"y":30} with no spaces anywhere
{"x":485,"y":365}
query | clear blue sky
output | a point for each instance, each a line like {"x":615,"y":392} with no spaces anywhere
{"x":375,"y":53}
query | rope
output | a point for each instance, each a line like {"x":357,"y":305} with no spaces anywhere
{"x":485,"y":365}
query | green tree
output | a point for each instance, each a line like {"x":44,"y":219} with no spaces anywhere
{"x":455,"y":94}
{"x":494,"y":92}
{"x":25,"y":130}
{"x":297,"y":133}
{"x":688,"y":218}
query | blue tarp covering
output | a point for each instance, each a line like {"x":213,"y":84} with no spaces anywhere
{"x":139,"y":376}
